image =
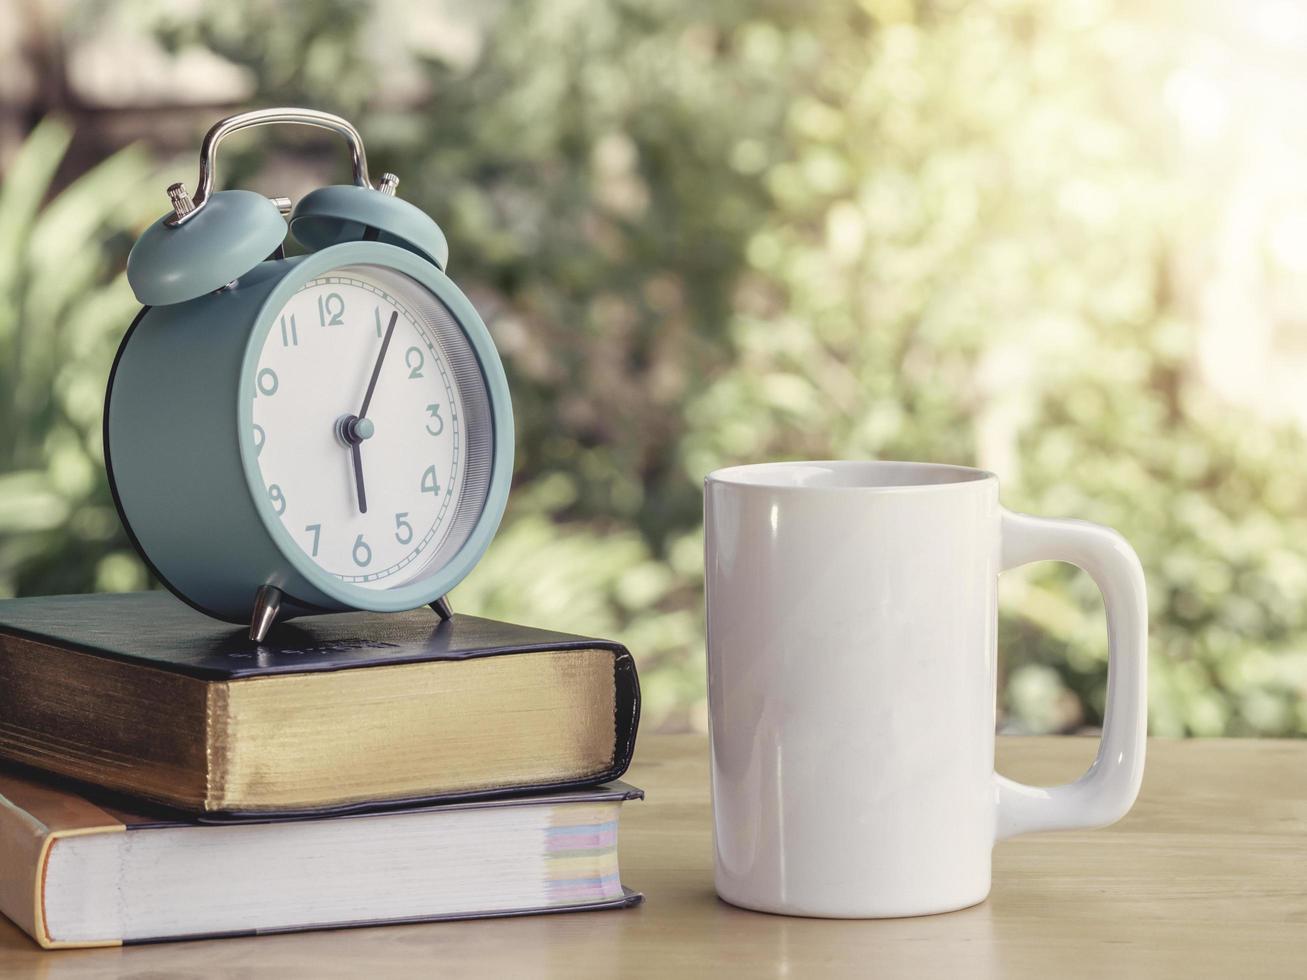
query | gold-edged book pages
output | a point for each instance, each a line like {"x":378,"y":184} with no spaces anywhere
{"x":411,"y":731}
{"x":323,"y":740}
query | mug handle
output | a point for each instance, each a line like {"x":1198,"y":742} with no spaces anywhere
{"x":1108,"y":788}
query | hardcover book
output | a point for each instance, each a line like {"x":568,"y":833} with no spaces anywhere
{"x":141,"y":695}
{"x":79,"y":873}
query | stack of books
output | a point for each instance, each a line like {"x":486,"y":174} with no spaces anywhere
{"x":162,"y":777}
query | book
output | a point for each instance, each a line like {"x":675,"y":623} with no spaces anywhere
{"x":144,"y":696}
{"x":75,"y":872}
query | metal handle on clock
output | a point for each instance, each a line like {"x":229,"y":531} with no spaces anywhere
{"x":185,"y":208}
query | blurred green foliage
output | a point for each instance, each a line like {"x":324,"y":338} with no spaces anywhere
{"x":709,"y":234}
{"x":63,"y":307}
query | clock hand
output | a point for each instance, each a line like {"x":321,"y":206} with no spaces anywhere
{"x":352,"y":430}
{"x":376,"y":368}
{"x":358,"y":428}
{"x":358,"y":476}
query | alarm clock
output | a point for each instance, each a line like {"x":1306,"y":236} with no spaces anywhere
{"x":287,"y":436}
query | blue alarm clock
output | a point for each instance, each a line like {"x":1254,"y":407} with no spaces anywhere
{"x":325,"y":432}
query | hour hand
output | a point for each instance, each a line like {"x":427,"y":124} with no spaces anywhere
{"x":352,"y":431}
{"x":358,"y":477}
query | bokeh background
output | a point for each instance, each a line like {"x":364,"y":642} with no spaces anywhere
{"x":1063,"y":241}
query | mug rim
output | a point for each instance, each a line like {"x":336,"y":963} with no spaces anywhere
{"x":759,"y":476}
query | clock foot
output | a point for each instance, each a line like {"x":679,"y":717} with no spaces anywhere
{"x":443,"y":608}
{"x":267,"y":603}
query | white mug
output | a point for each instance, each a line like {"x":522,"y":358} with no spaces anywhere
{"x":852,"y":611}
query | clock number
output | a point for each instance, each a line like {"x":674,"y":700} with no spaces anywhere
{"x":260,"y":437}
{"x":316,"y":531}
{"x":403,"y":529}
{"x":278,"y":499}
{"x":289,"y":337}
{"x":362,"y":553}
{"x":330,"y":310}
{"x":267,"y":382}
{"x":414,"y":359}
{"x":434,"y":412}
{"x":429,"y":484}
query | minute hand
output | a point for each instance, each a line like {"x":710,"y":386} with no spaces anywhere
{"x":376,"y":368}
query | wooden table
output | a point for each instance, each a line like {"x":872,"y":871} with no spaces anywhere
{"x":1207,"y":877}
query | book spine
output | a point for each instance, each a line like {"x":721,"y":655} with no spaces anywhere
{"x":626,"y":685}
{"x":25,"y":845}
{"x":24,"y":842}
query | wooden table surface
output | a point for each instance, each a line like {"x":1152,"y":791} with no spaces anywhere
{"x":1207,"y":877}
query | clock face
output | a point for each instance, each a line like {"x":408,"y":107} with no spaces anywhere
{"x":370,"y":426}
